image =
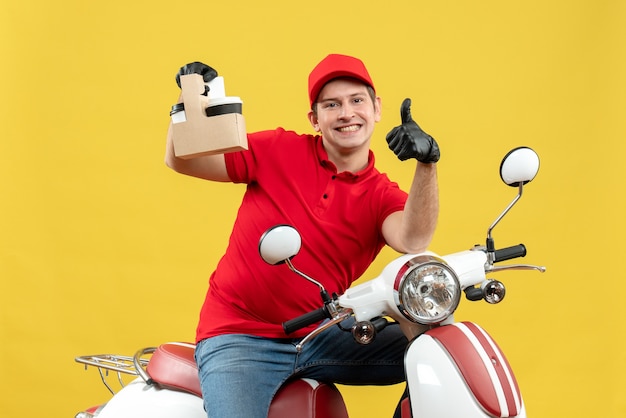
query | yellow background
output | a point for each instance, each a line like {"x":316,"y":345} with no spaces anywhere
{"x":103,"y":249}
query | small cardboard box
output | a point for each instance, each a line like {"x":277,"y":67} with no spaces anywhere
{"x":200,"y":134}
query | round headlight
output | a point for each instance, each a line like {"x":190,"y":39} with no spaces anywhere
{"x":427,"y":290}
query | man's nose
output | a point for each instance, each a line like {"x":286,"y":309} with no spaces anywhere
{"x":346,"y":112}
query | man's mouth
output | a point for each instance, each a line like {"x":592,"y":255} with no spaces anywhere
{"x":351,"y":128}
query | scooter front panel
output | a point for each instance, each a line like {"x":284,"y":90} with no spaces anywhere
{"x":459,"y":369}
{"x":436,"y":388}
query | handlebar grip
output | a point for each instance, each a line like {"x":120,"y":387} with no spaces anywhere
{"x":305,"y":320}
{"x":509,"y":253}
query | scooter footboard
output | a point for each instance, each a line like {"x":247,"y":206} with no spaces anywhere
{"x":459,"y":370}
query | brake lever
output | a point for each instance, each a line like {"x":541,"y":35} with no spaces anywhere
{"x":493,"y":268}
{"x":340,"y":317}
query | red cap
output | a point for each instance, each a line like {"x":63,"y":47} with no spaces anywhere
{"x":334,"y":66}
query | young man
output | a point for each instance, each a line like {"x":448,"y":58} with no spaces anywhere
{"x":327,"y":187}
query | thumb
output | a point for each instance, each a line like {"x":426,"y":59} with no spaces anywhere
{"x":405,"y":111}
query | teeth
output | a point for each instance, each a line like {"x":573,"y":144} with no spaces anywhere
{"x":350,"y":128}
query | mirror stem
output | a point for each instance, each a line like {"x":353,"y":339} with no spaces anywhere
{"x":323,"y":292}
{"x":312,"y":280}
{"x":491,"y":248}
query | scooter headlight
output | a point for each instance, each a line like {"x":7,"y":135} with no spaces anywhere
{"x":427,"y":290}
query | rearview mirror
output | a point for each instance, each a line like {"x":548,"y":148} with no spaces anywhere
{"x":279,"y":243}
{"x":520,"y":165}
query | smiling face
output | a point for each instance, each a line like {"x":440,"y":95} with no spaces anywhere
{"x":345,"y":114}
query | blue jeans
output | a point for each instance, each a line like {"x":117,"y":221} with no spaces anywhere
{"x":240,"y":374}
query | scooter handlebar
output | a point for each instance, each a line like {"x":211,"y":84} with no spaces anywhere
{"x":305,"y":320}
{"x":509,"y":253}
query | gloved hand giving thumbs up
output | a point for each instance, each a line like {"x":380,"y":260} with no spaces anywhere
{"x":409,"y":141}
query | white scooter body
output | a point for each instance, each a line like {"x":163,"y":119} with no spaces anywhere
{"x":455,"y":361}
{"x":457,"y":370}
{"x":138,"y":399}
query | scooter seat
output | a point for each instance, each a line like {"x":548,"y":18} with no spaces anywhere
{"x":307,"y":398}
{"x":173,"y":366}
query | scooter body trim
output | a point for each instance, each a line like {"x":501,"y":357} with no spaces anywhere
{"x":458,"y":370}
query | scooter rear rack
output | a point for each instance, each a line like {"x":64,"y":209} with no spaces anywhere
{"x":105,"y":363}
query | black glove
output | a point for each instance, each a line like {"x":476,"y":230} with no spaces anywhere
{"x":207,"y":73}
{"x":409,"y":141}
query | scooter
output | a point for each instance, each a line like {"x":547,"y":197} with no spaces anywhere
{"x":452,"y":368}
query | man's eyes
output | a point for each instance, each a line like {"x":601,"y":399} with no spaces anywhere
{"x":331,"y":105}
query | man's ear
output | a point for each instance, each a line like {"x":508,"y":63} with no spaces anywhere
{"x":313,"y":121}
{"x":378,"y":109}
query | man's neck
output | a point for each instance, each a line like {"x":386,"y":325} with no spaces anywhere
{"x":352,"y":162}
